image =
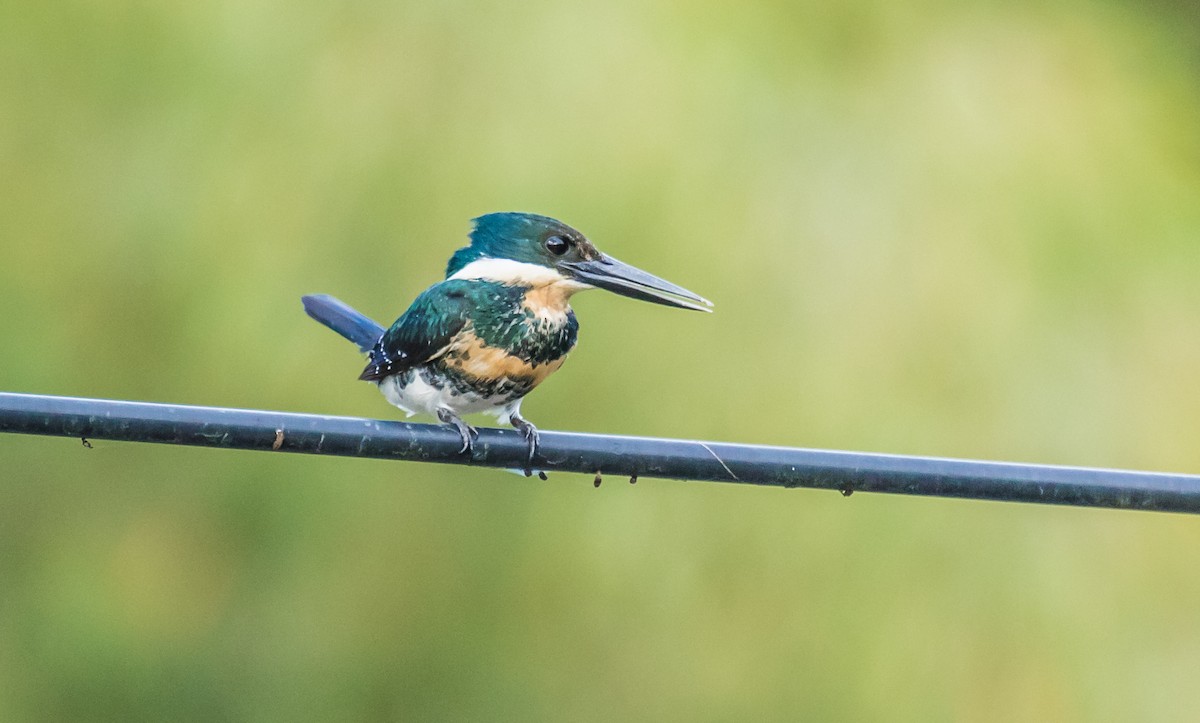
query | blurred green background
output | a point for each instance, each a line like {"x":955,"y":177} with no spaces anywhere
{"x":958,"y":229}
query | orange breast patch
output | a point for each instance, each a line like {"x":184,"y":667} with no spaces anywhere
{"x":471,"y":356}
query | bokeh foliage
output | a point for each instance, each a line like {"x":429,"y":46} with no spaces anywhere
{"x":962,"y":229}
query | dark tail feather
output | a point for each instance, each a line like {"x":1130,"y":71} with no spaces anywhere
{"x":349,"y":323}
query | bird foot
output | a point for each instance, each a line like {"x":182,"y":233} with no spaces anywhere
{"x":465,"y":431}
{"x":532,"y":438}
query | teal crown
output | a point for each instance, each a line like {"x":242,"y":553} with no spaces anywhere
{"x":511,"y":235}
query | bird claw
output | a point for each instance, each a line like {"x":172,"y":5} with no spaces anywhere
{"x":533,"y":438}
{"x":468,"y":434}
{"x":465,"y":431}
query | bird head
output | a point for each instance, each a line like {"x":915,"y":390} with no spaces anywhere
{"x":524,"y":248}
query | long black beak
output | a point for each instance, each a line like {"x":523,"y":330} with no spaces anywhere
{"x":621,"y":278}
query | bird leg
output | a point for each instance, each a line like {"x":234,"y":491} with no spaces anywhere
{"x":466,"y":431}
{"x":531,"y":438}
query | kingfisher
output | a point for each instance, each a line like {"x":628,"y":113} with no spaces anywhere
{"x":499,"y":323}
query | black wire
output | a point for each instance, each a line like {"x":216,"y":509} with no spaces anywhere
{"x":634,"y":457}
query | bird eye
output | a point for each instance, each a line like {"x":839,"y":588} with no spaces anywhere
{"x":557,"y":245}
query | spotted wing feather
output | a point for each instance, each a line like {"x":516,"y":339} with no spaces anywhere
{"x":422,"y":333}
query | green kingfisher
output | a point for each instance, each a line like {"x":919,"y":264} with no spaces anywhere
{"x":496,"y":326}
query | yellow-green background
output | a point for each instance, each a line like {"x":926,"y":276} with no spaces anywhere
{"x":964,"y":229}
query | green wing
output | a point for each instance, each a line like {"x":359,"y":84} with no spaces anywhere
{"x":421,"y":333}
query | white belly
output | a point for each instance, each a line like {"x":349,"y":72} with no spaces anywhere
{"x":421,"y":397}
